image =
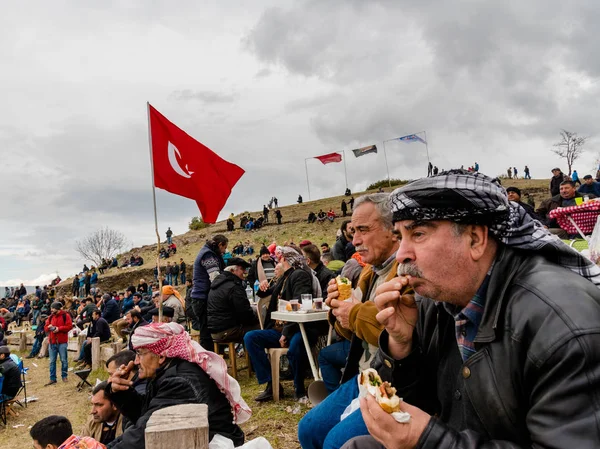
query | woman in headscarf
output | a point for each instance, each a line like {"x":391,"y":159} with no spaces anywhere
{"x":172,"y":298}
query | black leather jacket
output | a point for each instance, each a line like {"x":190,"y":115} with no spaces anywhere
{"x":179,"y":382}
{"x":535,"y":378}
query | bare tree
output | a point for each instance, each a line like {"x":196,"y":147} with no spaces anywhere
{"x":570,"y":147}
{"x":101,"y":244}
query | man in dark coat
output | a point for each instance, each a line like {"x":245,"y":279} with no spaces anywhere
{"x":98,"y":328}
{"x":557,"y":178}
{"x":343,"y":248}
{"x":514,"y":194}
{"x":499,"y":353}
{"x":10,"y":371}
{"x":324,"y":275}
{"x":230,"y":315}
{"x":110,"y":309}
{"x":185,"y":379}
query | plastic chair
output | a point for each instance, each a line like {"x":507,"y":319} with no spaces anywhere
{"x":274,"y":353}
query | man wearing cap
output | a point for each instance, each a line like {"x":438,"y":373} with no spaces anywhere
{"x":498,"y":348}
{"x":10,"y":372}
{"x":167,"y":315}
{"x":178,"y":371}
{"x":514,"y":194}
{"x":589,"y":186}
{"x":557,"y":178}
{"x":230,"y":315}
{"x":58,"y":326}
{"x":262,"y":269}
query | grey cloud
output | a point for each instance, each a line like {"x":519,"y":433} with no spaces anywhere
{"x":206,"y":97}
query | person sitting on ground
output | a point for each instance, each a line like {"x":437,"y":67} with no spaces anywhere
{"x":179,"y":371}
{"x":11,"y":374}
{"x":105,"y":423}
{"x":262,"y":268}
{"x":514,"y":194}
{"x":172,"y":298}
{"x":321,"y":216}
{"x":56,"y":432}
{"x":565,"y":198}
{"x":98,"y":328}
{"x":312,"y":217}
{"x":230,"y":315}
{"x":330,"y":215}
{"x":589,"y":186}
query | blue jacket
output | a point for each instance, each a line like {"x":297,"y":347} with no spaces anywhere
{"x":111,"y":311}
{"x":94,"y":279}
{"x":207,"y":261}
{"x":127,"y":304}
{"x":82,"y":282}
{"x":593,"y":189}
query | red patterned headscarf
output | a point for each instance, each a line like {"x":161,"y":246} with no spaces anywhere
{"x":172,"y":341}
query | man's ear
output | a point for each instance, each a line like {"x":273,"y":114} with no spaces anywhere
{"x":479,"y":239}
{"x":161,"y":359}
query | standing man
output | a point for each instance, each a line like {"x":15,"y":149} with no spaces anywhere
{"x":501,"y":353}
{"x":57,"y":327}
{"x":355,"y":321}
{"x":429,"y":169}
{"x":182,"y":268}
{"x":351,"y":202}
{"x":278,"y":216}
{"x":169,"y":236}
{"x":168,"y":272}
{"x":207,"y":266}
{"x":557,"y":178}
{"x":344,"y":208}
{"x":526,"y":171}
{"x":265,"y":213}
{"x":175,"y":274}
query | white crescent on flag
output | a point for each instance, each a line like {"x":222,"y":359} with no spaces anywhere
{"x":173,"y":153}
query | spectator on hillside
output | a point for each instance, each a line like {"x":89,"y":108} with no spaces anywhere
{"x":82,"y":277}
{"x":230,"y":315}
{"x":142,"y":287}
{"x":278,"y":216}
{"x":182,"y":268}
{"x":169,"y":234}
{"x":105,"y":423}
{"x":344,"y":208}
{"x":175,"y":274}
{"x":526,"y":173}
{"x":299,"y":199}
{"x":85,"y":315}
{"x":343,"y":248}
{"x":98,"y":328}
{"x":312,"y":217}
{"x":179,"y":371}
{"x":110,"y":309}
{"x":94,"y":282}
{"x":172,"y":298}
{"x":207,"y":266}
{"x":351,"y":202}
{"x":265,"y":214}
{"x":168,"y":273}
{"x":58,"y":326}
{"x":313,"y":255}
{"x":330,"y":215}
{"x":325,"y":247}
{"x":321,"y":216}
{"x":347,"y":192}
{"x":575,"y":178}
{"x":514,"y":194}
{"x":589,"y":186}
{"x":262,"y":268}
{"x":557,"y":178}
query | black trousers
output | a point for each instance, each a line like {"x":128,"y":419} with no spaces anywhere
{"x":200,"y":310}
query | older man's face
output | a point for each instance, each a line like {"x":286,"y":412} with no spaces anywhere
{"x":148,"y":363}
{"x":436,"y":258}
{"x":589,"y":181}
{"x":514,"y":196}
{"x":567,"y":191}
{"x":372,"y":240}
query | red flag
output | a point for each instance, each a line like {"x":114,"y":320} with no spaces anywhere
{"x":329,"y":158}
{"x":185,"y":167}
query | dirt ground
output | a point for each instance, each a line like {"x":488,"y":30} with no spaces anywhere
{"x":277,"y":422}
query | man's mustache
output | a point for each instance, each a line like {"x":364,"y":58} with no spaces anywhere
{"x":361,"y":248}
{"x":409,"y":269}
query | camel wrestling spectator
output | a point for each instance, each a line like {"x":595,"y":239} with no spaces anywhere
{"x":105,"y":422}
{"x":57,"y":327}
{"x":178,"y":371}
{"x":171,"y":298}
{"x":230,"y":314}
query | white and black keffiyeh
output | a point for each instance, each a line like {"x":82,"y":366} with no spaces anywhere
{"x":473,"y":198}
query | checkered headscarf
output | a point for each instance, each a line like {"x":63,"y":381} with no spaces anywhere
{"x":473,"y":198}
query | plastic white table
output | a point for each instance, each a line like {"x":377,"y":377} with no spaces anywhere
{"x":301,"y":318}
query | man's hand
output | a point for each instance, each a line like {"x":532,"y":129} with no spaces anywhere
{"x":332,"y":292}
{"x":389,"y":432}
{"x":398,"y":313}
{"x":119,"y":380}
{"x":341,"y":311}
{"x":89,"y":339}
{"x":264,"y":286}
{"x":283,"y":341}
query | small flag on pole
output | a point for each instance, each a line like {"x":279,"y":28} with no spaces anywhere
{"x":365,"y":150}
{"x":330,"y":158}
{"x":411,"y":138}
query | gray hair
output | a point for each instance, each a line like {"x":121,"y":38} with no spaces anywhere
{"x":231,"y":268}
{"x":382,"y":203}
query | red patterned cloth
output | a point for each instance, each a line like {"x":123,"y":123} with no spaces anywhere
{"x":584,"y":215}
{"x":75,"y":442}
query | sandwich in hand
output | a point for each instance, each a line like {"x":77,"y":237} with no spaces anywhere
{"x":384,"y":393}
{"x":344,"y":288}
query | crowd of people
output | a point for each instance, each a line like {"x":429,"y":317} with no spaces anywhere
{"x":463,"y":299}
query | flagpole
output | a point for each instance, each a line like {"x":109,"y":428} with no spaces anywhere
{"x":345,"y":170}
{"x":307,"y":183}
{"x":386,"y":163}
{"x":160,"y":311}
{"x":426,"y":147}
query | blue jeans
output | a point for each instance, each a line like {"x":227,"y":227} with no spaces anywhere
{"x":321,"y":427}
{"x":60,"y":350}
{"x":332,"y":359}
{"x":36,"y":314}
{"x":182,"y":278}
{"x":37,"y":345}
{"x":257,"y":341}
{"x":82,"y":351}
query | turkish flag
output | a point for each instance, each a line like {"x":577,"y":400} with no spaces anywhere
{"x":329,"y":158}
{"x":185,"y":167}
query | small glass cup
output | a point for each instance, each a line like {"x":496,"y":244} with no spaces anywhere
{"x":318,"y":303}
{"x":306,"y":297}
{"x":295,"y":305}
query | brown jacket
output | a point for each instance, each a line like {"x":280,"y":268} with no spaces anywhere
{"x":94,"y":430}
{"x":363,"y":324}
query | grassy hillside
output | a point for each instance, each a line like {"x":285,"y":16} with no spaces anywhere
{"x":294,"y":228}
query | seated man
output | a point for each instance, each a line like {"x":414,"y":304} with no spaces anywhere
{"x":514,"y":194}
{"x":589,"y":186}
{"x":230,"y":315}
{"x":312,"y":217}
{"x":179,"y":371}
{"x":321,"y":216}
{"x":11,"y":373}
{"x":330,"y":215}
{"x":135,"y":319}
{"x":105,"y":422}
{"x":172,"y":298}
{"x":295,"y":281}
{"x":99,"y":328}
{"x":123,"y":358}
{"x":565,"y":198}
{"x":500,"y":353}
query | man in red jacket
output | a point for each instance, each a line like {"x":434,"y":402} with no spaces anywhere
{"x":58,"y":326}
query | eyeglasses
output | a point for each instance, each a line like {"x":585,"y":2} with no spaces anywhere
{"x":141,"y":352}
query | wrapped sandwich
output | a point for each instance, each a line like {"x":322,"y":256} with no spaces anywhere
{"x":344,"y":288}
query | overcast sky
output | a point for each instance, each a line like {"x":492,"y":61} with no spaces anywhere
{"x":266,"y":84}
